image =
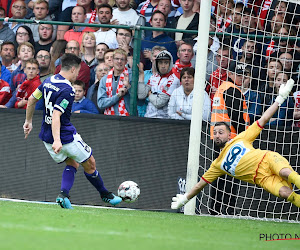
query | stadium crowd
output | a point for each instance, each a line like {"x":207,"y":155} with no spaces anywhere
{"x":251,"y":67}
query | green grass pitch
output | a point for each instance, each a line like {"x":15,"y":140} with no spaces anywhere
{"x":47,"y":226}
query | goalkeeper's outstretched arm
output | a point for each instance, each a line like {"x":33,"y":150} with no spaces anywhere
{"x":181,"y":199}
{"x":284,"y":92}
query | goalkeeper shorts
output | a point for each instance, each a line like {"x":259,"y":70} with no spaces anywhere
{"x":268,"y":173}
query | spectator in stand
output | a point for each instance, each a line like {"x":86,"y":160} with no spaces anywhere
{"x":124,"y":38}
{"x":224,"y":17}
{"x":252,"y":97}
{"x":82,"y":104}
{"x":100,"y":50}
{"x":289,"y":64}
{"x":7,"y":6}
{"x":113,"y":91}
{"x":158,"y":20}
{"x":159,"y":87}
{"x":54,"y":8}
{"x":25,"y":52}
{"x":5,"y":91}
{"x":6,"y":34}
{"x":40,"y":10}
{"x":43,"y":57}
{"x":108,"y":57}
{"x":189,"y":20}
{"x":7,"y":54}
{"x":229,"y":103}
{"x":144,"y":77}
{"x":106,"y":35}
{"x":284,"y":115}
{"x":250,"y":57}
{"x":56,"y":51}
{"x":235,"y":26}
{"x":147,"y":8}
{"x":45,"y":42}
{"x":18,"y":11}
{"x":84,"y":72}
{"x":66,"y":16}
{"x":23,"y":34}
{"x":221,"y":73}
{"x":249,"y":24}
{"x":32,"y":81}
{"x":165,"y":6}
{"x":88,"y":46}
{"x":101,"y":70}
{"x":185,"y":54}
{"x":125,"y":15}
{"x":267,"y":81}
{"x":181,"y":100}
{"x":77,"y":32}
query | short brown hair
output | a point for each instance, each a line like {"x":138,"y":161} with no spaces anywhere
{"x":32,"y":61}
{"x":41,"y":1}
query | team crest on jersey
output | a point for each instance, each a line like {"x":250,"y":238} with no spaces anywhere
{"x":64,"y":103}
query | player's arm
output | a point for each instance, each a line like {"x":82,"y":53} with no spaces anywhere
{"x":29,"y":114}
{"x":181,"y":199}
{"x":56,"y":146}
{"x":284,"y":92}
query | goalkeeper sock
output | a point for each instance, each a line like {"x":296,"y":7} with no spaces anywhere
{"x":67,"y":180}
{"x":96,"y":180}
{"x":294,"y":198}
{"x":294,"y":177}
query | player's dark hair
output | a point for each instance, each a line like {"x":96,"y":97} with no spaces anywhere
{"x":79,"y":83}
{"x":69,"y":60}
{"x":223,"y":123}
{"x":189,"y":70}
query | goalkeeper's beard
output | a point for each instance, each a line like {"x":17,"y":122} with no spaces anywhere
{"x":219,"y":143}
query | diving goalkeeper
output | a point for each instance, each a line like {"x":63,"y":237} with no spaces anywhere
{"x":239,"y":159}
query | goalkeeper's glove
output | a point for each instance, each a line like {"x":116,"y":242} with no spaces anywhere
{"x":179,"y":201}
{"x":284,"y":91}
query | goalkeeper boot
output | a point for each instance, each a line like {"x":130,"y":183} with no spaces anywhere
{"x":64,"y":201}
{"x":111,"y":198}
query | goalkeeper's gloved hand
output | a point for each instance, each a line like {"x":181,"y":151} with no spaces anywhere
{"x":179,"y":201}
{"x":284,"y":91}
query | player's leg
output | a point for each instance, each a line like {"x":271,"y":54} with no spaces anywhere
{"x":95,"y":179}
{"x":281,"y":167}
{"x":67,"y":181}
{"x":68,"y":174}
{"x":82,"y":153}
{"x":289,"y":195}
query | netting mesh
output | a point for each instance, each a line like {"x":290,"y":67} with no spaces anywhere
{"x":263,"y":36}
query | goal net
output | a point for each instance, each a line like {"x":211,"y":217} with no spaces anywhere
{"x":264,"y":36}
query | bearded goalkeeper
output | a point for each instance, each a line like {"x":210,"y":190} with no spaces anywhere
{"x":239,"y":159}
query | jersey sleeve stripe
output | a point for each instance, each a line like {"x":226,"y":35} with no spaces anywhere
{"x":59,"y":108}
{"x":205,"y":180}
{"x":259,"y":125}
{"x":37,"y":94}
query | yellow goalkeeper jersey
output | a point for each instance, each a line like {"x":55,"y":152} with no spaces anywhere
{"x":238,"y":158}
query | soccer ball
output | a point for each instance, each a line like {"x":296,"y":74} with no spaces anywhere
{"x":129,"y":191}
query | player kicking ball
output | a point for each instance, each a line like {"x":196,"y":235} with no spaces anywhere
{"x":60,"y":136}
{"x":240,"y":160}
